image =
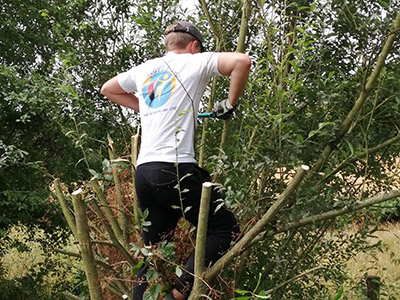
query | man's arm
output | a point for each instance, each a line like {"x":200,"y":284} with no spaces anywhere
{"x":237,"y":65}
{"x":113,"y":91}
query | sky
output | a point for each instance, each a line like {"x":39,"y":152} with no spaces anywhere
{"x":190,"y":4}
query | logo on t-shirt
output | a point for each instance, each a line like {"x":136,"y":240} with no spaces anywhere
{"x":158,"y":89}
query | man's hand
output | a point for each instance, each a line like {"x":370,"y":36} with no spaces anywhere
{"x":224,"y":109}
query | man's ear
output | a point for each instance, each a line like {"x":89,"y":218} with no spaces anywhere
{"x":195,"y":47}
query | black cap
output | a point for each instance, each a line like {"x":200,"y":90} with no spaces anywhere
{"x":183,"y":26}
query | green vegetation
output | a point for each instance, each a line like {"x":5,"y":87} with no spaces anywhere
{"x":31,"y":271}
{"x":382,"y":261}
{"x":323,"y":92}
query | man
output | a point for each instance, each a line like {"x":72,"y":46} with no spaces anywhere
{"x":167,"y":93}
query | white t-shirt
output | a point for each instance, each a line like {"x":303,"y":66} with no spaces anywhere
{"x":169,"y":89}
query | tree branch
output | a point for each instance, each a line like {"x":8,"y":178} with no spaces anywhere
{"x":366,"y":90}
{"x":282,"y":200}
{"x":86,"y":246}
{"x":204,"y":8}
{"x":65,"y":209}
{"x":102,"y":264}
{"x":363,"y":154}
{"x":112,"y":235}
{"x":199,"y":264}
{"x":113,"y":221}
{"x":120,"y":200}
{"x":326,"y":215}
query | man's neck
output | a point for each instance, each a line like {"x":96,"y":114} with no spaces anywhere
{"x":178,"y":51}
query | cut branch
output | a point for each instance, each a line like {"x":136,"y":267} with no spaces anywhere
{"x":86,"y":246}
{"x":199,"y":265}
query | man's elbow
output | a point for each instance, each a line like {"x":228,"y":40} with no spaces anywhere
{"x":242,"y":64}
{"x":246,"y":61}
{"x":104,"y":90}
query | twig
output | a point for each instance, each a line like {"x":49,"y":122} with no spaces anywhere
{"x":112,"y":235}
{"x":291,"y":280}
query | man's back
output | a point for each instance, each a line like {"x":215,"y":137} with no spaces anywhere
{"x":169,"y":89}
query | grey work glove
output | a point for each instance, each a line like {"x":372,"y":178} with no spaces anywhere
{"x":224,"y":109}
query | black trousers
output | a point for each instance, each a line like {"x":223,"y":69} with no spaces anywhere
{"x":157,"y":190}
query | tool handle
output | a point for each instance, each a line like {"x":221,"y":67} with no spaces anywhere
{"x":207,"y":115}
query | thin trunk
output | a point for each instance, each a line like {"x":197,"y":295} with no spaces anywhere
{"x":203,"y":140}
{"x":134,"y":155}
{"x":110,"y":215}
{"x":123,"y":219}
{"x":199,"y":266}
{"x":86,"y":246}
{"x":65,"y":208}
{"x":239,"y":48}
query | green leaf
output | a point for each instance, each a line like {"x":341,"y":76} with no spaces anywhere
{"x":151,"y":275}
{"x":300,"y":29}
{"x":95,"y":174}
{"x":241,"y":292}
{"x":178,"y":271}
{"x":135,"y":269}
{"x":350,"y":147}
{"x":134,"y":246}
{"x":185,"y":176}
{"x":108,"y":177}
{"x":383,"y":3}
{"x":338,"y":294}
{"x":303,"y":8}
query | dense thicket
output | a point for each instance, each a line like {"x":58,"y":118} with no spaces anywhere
{"x":310,"y":100}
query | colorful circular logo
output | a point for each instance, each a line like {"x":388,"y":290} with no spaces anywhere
{"x":158,"y":89}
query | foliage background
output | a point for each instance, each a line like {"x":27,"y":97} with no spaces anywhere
{"x":310,"y":64}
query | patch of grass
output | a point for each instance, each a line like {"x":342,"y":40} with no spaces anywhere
{"x":22,"y":254}
{"x":383,"y":262}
